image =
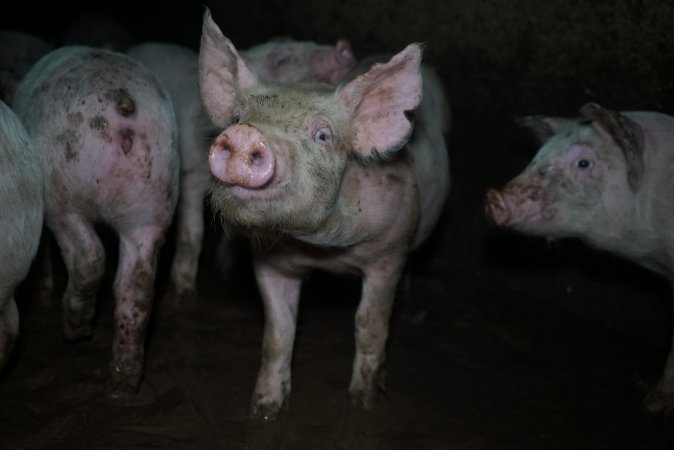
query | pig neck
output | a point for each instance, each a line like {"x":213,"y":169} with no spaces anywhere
{"x":377,"y":204}
{"x":639,"y":225}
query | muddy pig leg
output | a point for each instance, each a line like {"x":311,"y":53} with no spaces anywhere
{"x":280,"y":295}
{"x":134,"y":291}
{"x":84,"y":257}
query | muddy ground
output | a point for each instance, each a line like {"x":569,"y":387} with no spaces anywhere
{"x":497,"y":341}
{"x":481,"y":354}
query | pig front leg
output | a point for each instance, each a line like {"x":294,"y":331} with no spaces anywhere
{"x":372,"y":322}
{"x":134,"y":290}
{"x":190,"y":233}
{"x":280,"y":295}
{"x":9,"y":326}
{"x":84,"y":257}
{"x":661,"y":397}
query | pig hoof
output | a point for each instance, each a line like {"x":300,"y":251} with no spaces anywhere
{"x":364,"y":398}
{"x":659,"y":400}
{"x":126,"y":395}
{"x":77,"y":332}
{"x":179,"y":296}
{"x":265,"y":412}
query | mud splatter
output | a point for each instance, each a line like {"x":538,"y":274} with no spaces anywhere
{"x":126,"y":135}
{"x":70,"y":142}
{"x":125,"y":104}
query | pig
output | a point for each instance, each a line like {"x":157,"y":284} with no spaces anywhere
{"x":21,"y":185}
{"x":285,"y":60}
{"x":18,"y":52}
{"x":280,"y":61}
{"x":322,"y":178}
{"x":603,"y":178}
{"x":106,"y":135}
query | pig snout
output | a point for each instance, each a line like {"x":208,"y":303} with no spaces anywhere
{"x":241,"y":156}
{"x":497,"y":208}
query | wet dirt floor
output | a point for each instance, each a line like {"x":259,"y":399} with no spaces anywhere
{"x":480,"y":356}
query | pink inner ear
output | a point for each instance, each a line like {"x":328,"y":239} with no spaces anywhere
{"x":222,"y":73}
{"x":387,"y":91}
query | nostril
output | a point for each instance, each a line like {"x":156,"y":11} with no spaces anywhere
{"x":256,"y":158}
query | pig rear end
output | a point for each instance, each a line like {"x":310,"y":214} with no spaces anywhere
{"x":21,"y":219}
{"x":106,"y":136}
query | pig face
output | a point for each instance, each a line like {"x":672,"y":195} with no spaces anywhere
{"x":580,"y":179}
{"x":289,"y":61}
{"x":284,"y":150}
{"x":279,"y":170}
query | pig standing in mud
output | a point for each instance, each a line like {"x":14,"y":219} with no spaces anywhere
{"x":176,"y":67}
{"x":606,"y":179}
{"x":321,"y":178}
{"x":21,"y":187}
{"x":106,"y":135}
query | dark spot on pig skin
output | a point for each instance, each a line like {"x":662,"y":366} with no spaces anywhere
{"x":126,"y":135}
{"x":75,"y":119}
{"x":124,"y":103}
{"x":98,"y":123}
{"x":69,"y":140}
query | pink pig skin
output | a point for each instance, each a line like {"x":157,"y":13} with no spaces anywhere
{"x":21,"y":185}
{"x":106,"y":136}
{"x":605,"y":179}
{"x":176,"y":67}
{"x":322,"y":178}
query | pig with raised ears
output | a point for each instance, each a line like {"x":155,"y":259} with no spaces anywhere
{"x":106,"y":136}
{"x":21,"y":185}
{"x":320,"y":178}
{"x":176,"y":67}
{"x":604,"y":178}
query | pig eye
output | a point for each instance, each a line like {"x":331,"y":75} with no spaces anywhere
{"x":583,"y":164}
{"x":322,"y":135}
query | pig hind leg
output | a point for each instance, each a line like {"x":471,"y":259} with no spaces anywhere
{"x":84,"y":257}
{"x":190,"y":232}
{"x":133,"y":291}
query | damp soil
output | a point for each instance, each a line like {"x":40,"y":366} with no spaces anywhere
{"x":484,"y":351}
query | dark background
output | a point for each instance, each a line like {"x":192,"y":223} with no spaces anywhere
{"x":499,"y":340}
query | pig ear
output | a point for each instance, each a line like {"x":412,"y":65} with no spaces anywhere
{"x":223,"y":74}
{"x":542,"y":127}
{"x":625,"y":132}
{"x":380,"y":100}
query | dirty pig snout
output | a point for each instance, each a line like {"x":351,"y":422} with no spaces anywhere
{"x":241,"y":156}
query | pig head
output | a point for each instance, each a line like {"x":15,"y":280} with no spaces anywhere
{"x":285,"y":60}
{"x":604,"y":178}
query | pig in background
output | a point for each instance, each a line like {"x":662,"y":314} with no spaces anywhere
{"x":21,"y":185}
{"x":106,"y":136}
{"x":18,"y":52}
{"x":176,"y":67}
{"x":322,"y":178}
{"x":605,"y":178}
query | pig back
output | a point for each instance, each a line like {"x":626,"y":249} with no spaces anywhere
{"x":104,"y":129}
{"x":428,"y":153}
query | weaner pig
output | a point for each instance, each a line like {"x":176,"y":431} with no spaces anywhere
{"x":21,"y":185}
{"x":176,"y":67}
{"x":321,"y":178}
{"x":606,"y":179}
{"x":106,"y":134}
